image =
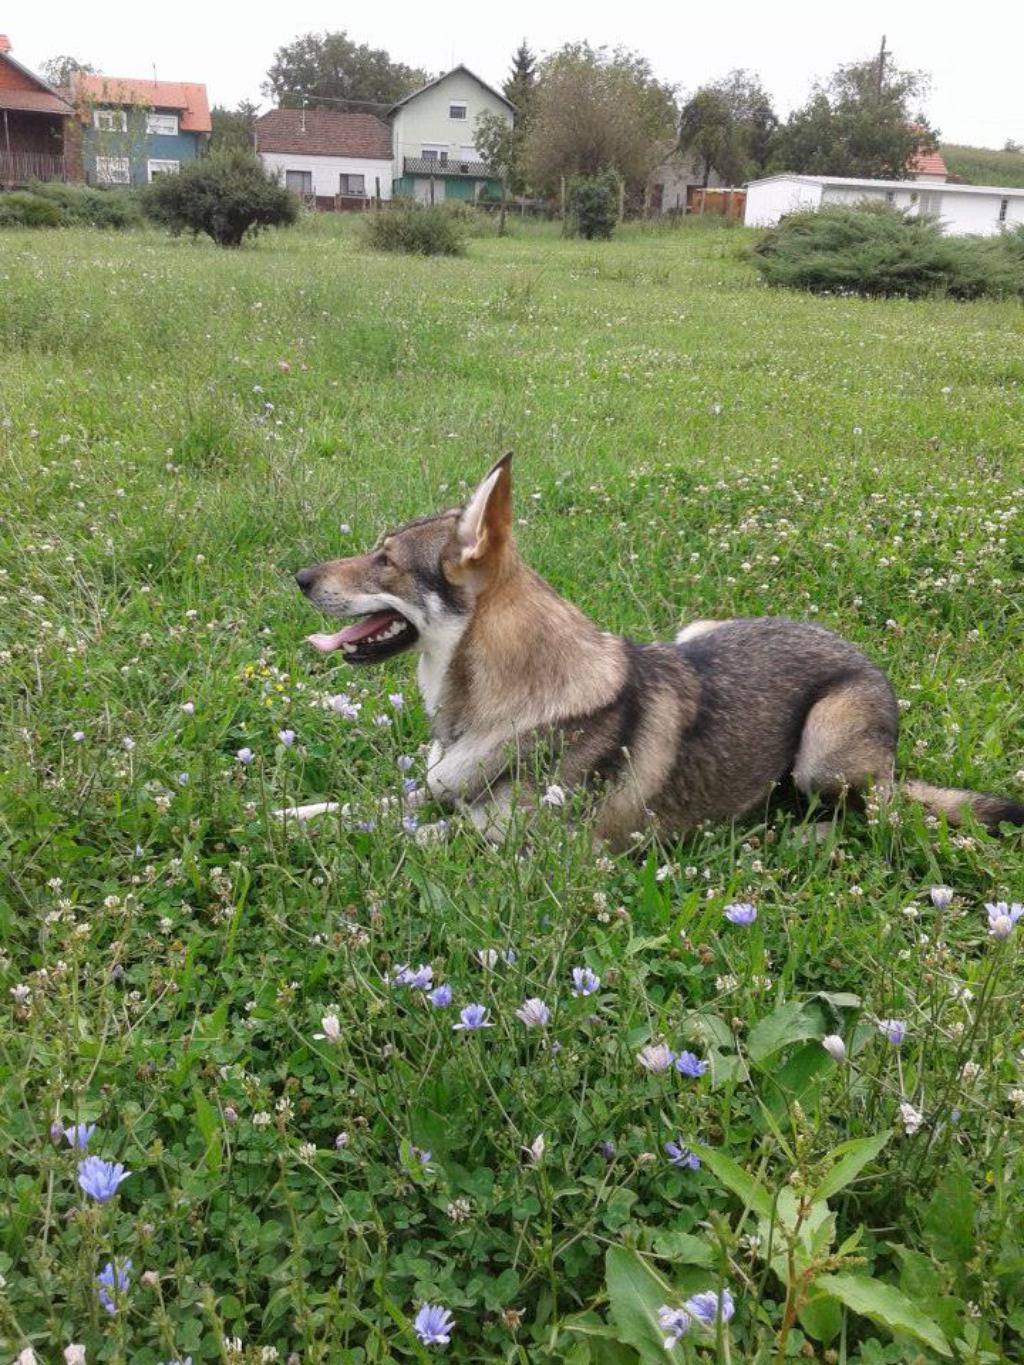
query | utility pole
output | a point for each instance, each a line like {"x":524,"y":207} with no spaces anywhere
{"x":881,"y":66}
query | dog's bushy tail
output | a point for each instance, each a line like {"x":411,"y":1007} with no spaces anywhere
{"x":990,"y":811}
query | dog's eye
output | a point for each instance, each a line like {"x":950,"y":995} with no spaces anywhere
{"x":384,"y":560}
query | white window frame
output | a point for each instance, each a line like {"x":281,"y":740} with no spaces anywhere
{"x":435,"y":153}
{"x":113,"y":170}
{"x":458,"y":104}
{"x":296,"y":170}
{"x":110,"y":120}
{"x":352,"y":175}
{"x":154,"y":122}
{"x":162,"y":167}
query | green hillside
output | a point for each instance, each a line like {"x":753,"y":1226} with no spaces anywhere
{"x":984,"y":165}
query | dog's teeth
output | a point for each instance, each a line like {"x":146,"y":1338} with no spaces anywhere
{"x":347,"y":648}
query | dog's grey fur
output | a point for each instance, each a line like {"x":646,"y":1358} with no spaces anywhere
{"x":515,"y":678}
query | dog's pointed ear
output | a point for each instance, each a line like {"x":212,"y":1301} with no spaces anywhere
{"x":486,"y":521}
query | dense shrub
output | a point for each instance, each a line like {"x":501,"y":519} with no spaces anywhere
{"x":21,"y":208}
{"x":877,"y":250}
{"x":116,"y":208}
{"x":59,"y":205}
{"x":226,"y":196}
{"x":417,"y":230}
{"x":594,"y":205}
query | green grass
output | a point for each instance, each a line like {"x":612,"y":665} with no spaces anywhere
{"x":984,"y":165}
{"x":180,"y":429}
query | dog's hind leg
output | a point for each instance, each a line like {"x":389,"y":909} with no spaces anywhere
{"x":848,"y":741}
{"x":303,"y":813}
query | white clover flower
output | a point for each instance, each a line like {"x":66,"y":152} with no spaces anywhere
{"x":331,"y":1029}
{"x":655,"y":1057}
{"x":911,"y":1118}
{"x":553,"y":796}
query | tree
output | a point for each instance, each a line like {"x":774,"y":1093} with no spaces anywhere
{"x":859,"y":123}
{"x":226,"y":195}
{"x":594,"y":204}
{"x":1012,"y":145}
{"x":331,"y":67}
{"x":59,"y":70}
{"x":753,"y":114}
{"x":521,"y":85}
{"x":498,"y":145}
{"x":233,"y":129}
{"x":708,"y":131}
{"x":596,"y":110}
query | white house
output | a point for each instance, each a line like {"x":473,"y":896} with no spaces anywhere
{"x":981,"y":209}
{"x":422,"y":147}
{"x":327,"y":156}
{"x":432,"y":137}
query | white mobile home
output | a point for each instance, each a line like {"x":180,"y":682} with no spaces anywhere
{"x":982,"y":209}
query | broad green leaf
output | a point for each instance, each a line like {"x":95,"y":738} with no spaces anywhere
{"x":792,"y":1023}
{"x":709,"y":1029}
{"x":671,"y":1245}
{"x":635,"y":1293}
{"x":851,"y":1158}
{"x":208,"y":1123}
{"x":734,"y":1177}
{"x":821,"y":1317}
{"x":949,"y":1220}
{"x":884,"y":1304}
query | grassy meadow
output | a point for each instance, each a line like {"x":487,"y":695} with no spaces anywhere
{"x":180,"y":429}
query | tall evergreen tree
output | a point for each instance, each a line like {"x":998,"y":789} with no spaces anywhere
{"x":522,"y":82}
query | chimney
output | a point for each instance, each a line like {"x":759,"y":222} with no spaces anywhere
{"x":5,"y":43}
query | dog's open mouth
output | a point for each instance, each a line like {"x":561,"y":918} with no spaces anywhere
{"x":371,"y":639}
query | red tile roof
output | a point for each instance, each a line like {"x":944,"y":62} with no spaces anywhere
{"x":324,"y":132}
{"x":5,"y":43}
{"x":928,"y":163}
{"x":35,"y":101}
{"x":185,"y":96}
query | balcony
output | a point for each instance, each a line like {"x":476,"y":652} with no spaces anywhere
{"x":423,"y":165}
{"x":19,"y":168}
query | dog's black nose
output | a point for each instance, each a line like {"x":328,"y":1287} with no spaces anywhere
{"x":305,"y":579}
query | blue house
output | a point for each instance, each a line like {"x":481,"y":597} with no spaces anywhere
{"x":135,"y":130}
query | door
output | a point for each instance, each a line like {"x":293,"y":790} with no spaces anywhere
{"x":421,"y":189}
{"x":300,"y":183}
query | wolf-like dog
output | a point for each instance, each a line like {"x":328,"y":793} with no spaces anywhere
{"x":515,"y":678}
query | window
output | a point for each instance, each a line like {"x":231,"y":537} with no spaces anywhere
{"x":438,"y":154}
{"x":468,"y":154}
{"x":163,"y":125}
{"x":1004,"y":205}
{"x":157,"y":168}
{"x":299,"y":182}
{"x":352,"y":184}
{"x":457,"y":110}
{"x":113,"y":170}
{"x":890,"y":196}
{"x":110,"y":120}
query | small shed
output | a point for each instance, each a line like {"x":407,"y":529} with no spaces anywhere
{"x":961,"y":209}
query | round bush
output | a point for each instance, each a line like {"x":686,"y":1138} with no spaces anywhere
{"x":417,"y":231}
{"x":226,"y":196}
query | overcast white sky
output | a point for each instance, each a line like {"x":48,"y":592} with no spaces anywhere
{"x":973,"y":52}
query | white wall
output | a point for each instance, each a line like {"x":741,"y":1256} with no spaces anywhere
{"x":977,"y":212}
{"x":424,"y":121}
{"x":769,"y":200}
{"x":327,"y":169}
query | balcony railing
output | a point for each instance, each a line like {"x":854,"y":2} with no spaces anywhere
{"x":422,"y":165}
{"x":19,"y":168}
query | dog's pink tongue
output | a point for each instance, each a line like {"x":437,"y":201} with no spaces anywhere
{"x":351,"y":635}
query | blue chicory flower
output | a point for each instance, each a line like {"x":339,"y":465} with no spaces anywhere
{"x":113,"y":1280}
{"x":680,"y":1155}
{"x":287,"y":737}
{"x":709,"y":1307}
{"x":433,"y":1325}
{"x":100,"y":1179}
{"x":441,"y":996}
{"x":473,"y":1017}
{"x":689,"y":1064}
{"x":585,"y":982}
{"x":741,"y":913}
{"x":1002,"y":918}
{"x":893,"y":1030}
{"x":78,"y":1135}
